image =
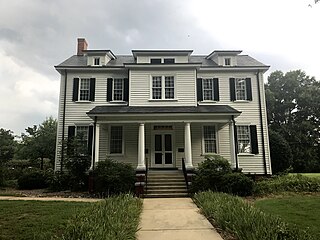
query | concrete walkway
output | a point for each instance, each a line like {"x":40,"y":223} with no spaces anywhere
{"x":50,"y":199}
{"x":174,"y":219}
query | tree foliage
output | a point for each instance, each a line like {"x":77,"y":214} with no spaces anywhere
{"x":293,"y":101}
{"x":39,"y":142}
{"x":7,"y":145}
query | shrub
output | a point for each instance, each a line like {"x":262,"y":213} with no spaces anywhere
{"x":237,"y":184}
{"x":59,"y":181}
{"x":210,"y":172}
{"x":111,"y":177}
{"x":287,"y":183}
{"x":115,"y":218}
{"x":32,"y":179}
{"x":234,"y":215}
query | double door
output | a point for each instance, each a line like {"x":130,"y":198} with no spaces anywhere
{"x":162,"y":150}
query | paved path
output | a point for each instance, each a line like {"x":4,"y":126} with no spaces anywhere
{"x":50,"y":199}
{"x":174,"y":219}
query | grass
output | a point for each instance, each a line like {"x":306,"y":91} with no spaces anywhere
{"x":235,"y":216}
{"x":116,"y":218}
{"x":313,"y":175}
{"x":302,"y":210}
{"x":35,"y":219}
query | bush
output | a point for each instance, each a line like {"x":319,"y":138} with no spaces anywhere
{"x":32,"y":179}
{"x":287,"y":183}
{"x":234,"y":215}
{"x":59,"y":181}
{"x":115,"y":218}
{"x":111,"y":177}
{"x":237,"y":184}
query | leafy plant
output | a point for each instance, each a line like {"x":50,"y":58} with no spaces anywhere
{"x":237,"y":184}
{"x":32,"y":179}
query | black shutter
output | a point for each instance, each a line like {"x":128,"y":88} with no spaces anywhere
{"x":75,"y":89}
{"x":232,"y":89}
{"x":254,"y":139}
{"x":249,"y":89}
{"x":92,"y":89}
{"x":126,"y":90}
{"x":90,"y":139}
{"x":216,"y":89}
{"x":236,"y":139}
{"x":71,"y":131}
{"x":199,"y":89}
{"x":109,"y":89}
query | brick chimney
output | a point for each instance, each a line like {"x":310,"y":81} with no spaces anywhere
{"x":82,"y":45}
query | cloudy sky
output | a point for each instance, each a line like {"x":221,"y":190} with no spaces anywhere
{"x":35,"y":35}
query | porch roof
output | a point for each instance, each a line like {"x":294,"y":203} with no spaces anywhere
{"x":209,"y":109}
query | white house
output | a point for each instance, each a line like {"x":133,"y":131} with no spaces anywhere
{"x":153,"y":108}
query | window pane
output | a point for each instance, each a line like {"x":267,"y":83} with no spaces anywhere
{"x":209,"y":136}
{"x":82,"y":134}
{"x":168,"y":158}
{"x":156,"y":87}
{"x":116,"y":139}
{"x":243,"y":133}
{"x":118,"y":89}
{"x":169,"y":60}
{"x":169,"y":87}
{"x":157,"y":142}
{"x":84,"y":89}
{"x":155,"y":60}
{"x":207,"y":86}
{"x":168,"y":142}
{"x":240,"y":89}
{"x":158,"y":158}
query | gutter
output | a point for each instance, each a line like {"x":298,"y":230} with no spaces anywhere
{"x":63,"y":119}
{"x":261,"y":126}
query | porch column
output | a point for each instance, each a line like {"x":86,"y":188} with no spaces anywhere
{"x":141,"y":150}
{"x":187,"y":146}
{"x":97,"y":141}
{"x":232,"y":145}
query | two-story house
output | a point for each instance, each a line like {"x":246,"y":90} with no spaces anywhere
{"x":153,"y":108}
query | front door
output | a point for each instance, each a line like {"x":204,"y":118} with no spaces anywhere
{"x":163,"y":150}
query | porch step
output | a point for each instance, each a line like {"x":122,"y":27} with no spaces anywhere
{"x":169,"y":183}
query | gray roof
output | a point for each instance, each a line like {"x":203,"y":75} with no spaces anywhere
{"x":81,"y":61}
{"x":216,"y":109}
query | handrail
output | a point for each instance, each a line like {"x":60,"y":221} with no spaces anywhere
{"x":184,"y":169}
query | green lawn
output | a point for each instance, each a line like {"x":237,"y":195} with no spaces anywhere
{"x":317,"y":175}
{"x":302,"y":210}
{"x":35,"y":219}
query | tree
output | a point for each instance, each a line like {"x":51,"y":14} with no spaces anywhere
{"x":7,"y":145}
{"x":293,"y":101}
{"x":39,"y":142}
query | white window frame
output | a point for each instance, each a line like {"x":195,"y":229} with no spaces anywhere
{"x":212,"y":89}
{"x":162,"y":60}
{"x":87,"y":130}
{"x":163,"y":87}
{"x":236,"y":80}
{"x":227,"y":61}
{"x":248,"y":138}
{"x":109,"y":134}
{"x":216,"y":139}
{"x":96,"y":59}
{"x":113,"y":89}
{"x":79,"y":90}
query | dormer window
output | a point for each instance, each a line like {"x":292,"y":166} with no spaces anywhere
{"x":155,"y":60}
{"x":168,"y":60}
{"x":227,"y":61}
{"x":96,"y":61}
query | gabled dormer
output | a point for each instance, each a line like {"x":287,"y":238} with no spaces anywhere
{"x":161,"y":56}
{"x":225,"y":58}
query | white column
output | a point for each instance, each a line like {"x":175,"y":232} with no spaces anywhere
{"x":141,"y":150}
{"x":187,"y":146}
{"x":232,"y":145}
{"x":97,"y":141}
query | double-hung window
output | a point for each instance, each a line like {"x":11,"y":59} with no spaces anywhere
{"x":207,"y":88}
{"x":163,"y":87}
{"x":82,"y":135}
{"x":209,"y":139}
{"x":116,"y":140}
{"x":244,"y":145}
{"x":241,"y":91}
{"x":96,"y":61}
{"x":118,"y":89}
{"x":84,"y":90}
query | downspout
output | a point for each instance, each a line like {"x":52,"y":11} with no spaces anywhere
{"x":63,"y":119}
{"x":261,"y":126}
{"x":94,"y":142}
{"x":235,"y":147}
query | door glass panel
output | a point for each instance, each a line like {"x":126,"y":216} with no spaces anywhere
{"x":168,"y":158}
{"x":158,"y":158}
{"x":157,"y":143}
{"x":168,"y":142}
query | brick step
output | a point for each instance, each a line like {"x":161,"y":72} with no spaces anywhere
{"x":166,"y":195}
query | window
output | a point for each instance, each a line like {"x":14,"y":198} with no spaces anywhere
{"x":116,"y":137}
{"x":240,"y":89}
{"x":155,"y":60}
{"x":209,"y":139}
{"x":84,"y":90}
{"x":118,"y":89}
{"x":82,"y":134}
{"x":169,"y":60}
{"x":227,"y":61}
{"x":243,"y":134}
{"x":96,"y":61}
{"x":207,"y":88}
{"x":163,"y":87}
